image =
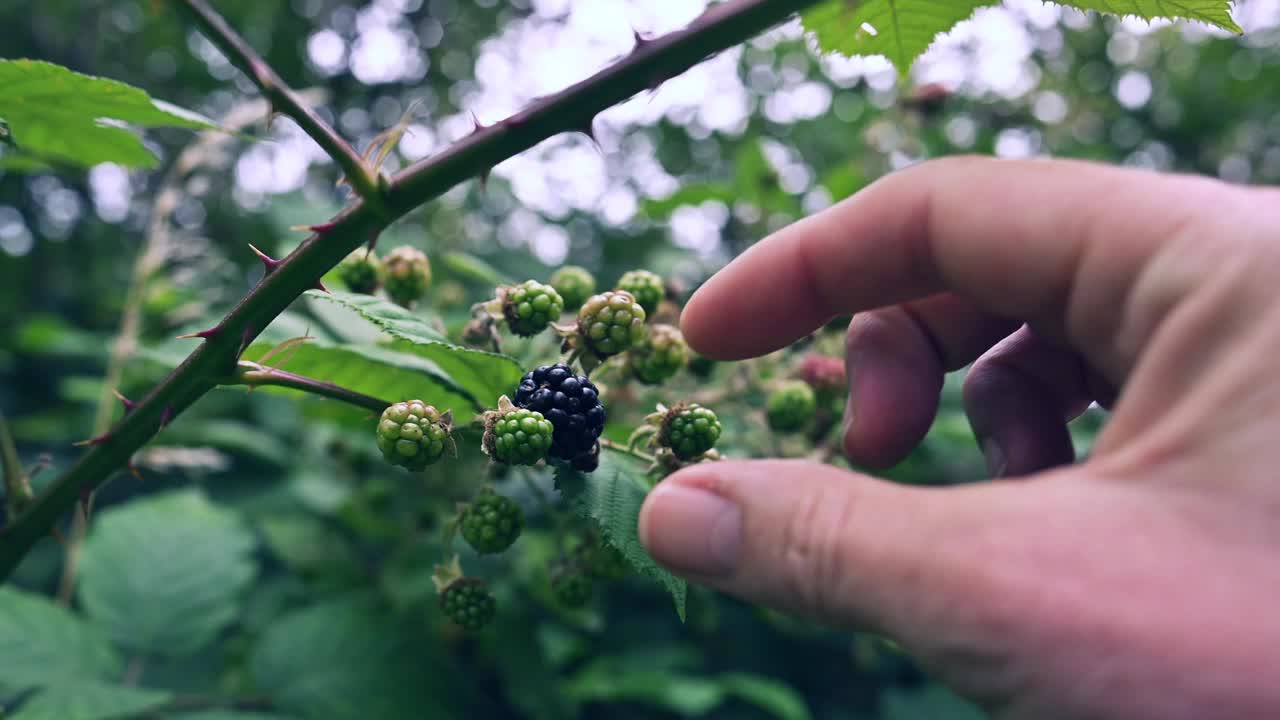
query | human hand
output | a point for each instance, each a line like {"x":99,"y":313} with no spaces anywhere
{"x":1140,"y":583}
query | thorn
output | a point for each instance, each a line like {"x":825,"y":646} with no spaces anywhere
{"x":165,"y":417}
{"x":589,"y":130}
{"x":129,"y":405}
{"x":319,"y":229}
{"x":641,"y":40}
{"x":373,"y":238}
{"x":86,"y":502}
{"x":244,"y":340}
{"x":484,"y":178}
{"x":269,"y":262}
{"x":203,"y":334}
{"x":320,"y":286}
{"x":94,"y":440}
{"x":133,"y":470}
{"x":479,"y":126}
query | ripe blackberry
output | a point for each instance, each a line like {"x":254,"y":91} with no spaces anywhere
{"x":406,"y":275}
{"x":570,"y":402}
{"x":659,"y":356}
{"x":468,"y":602}
{"x":517,"y":437}
{"x":646,"y":287}
{"x":791,"y":406}
{"x":689,"y":430}
{"x":611,"y":322}
{"x":588,"y":461}
{"x":491,"y":523}
{"x":361,"y":272}
{"x":413,"y":434}
{"x":530,"y":307}
{"x":575,"y":284}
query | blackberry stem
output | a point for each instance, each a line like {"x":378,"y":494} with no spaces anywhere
{"x":254,"y":375}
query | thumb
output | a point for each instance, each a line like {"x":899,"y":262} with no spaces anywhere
{"x":842,"y":548}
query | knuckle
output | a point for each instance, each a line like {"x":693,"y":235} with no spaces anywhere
{"x":813,"y":551}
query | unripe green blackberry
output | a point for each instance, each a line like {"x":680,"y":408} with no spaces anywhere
{"x":406,"y":275}
{"x":530,"y":307}
{"x":517,"y":437}
{"x":791,"y":406}
{"x":689,"y":430}
{"x":571,"y":586}
{"x":575,"y":284}
{"x":701,"y":365}
{"x":646,"y":287}
{"x":659,"y":356}
{"x":468,"y":602}
{"x":413,"y":434}
{"x":361,"y":272}
{"x":491,"y":523}
{"x":611,"y":322}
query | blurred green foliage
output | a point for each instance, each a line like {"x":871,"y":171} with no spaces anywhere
{"x":269,"y":565}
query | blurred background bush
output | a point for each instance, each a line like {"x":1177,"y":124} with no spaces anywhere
{"x":268,"y":564}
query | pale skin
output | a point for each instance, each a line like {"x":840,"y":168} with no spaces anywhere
{"x":1141,"y":583}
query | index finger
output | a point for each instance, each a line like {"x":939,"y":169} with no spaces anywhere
{"x":1055,"y":243}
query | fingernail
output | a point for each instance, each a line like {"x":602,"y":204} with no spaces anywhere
{"x":997,"y":462}
{"x":692,"y":530}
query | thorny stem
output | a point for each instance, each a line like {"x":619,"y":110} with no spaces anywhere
{"x":17,"y":486}
{"x":255,"y":375}
{"x":154,"y":251}
{"x":571,"y":109}
{"x":283,"y":99}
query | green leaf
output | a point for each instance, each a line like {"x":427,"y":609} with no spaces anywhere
{"x":472,"y":269}
{"x":379,"y":372}
{"x":42,"y":642}
{"x":687,"y":696}
{"x":89,"y":701}
{"x":225,"y":715}
{"x":54,"y":113}
{"x":346,"y":659}
{"x":306,"y":545}
{"x":778,"y":698}
{"x":612,"y":496}
{"x":165,"y":574}
{"x":483,"y":375}
{"x":901,"y":30}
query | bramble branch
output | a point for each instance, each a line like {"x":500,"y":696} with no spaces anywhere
{"x":282,"y":98}
{"x":253,"y":374}
{"x":572,"y":109}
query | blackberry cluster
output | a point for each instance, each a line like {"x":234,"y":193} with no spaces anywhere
{"x":689,"y":430}
{"x":575,"y":284}
{"x":646,"y":287}
{"x":361,"y":271}
{"x":611,"y":322}
{"x":573,"y":406}
{"x":491,"y":523}
{"x":468,"y":602}
{"x":406,"y":275}
{"x":659,"y":356}
{"x":791,"y":406}
{"x":530,"y":306}
{"x":519,"y":437}
{"x":412,"y":434}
